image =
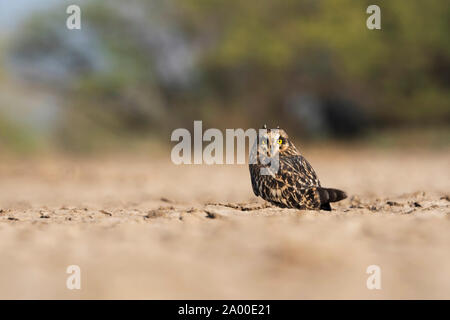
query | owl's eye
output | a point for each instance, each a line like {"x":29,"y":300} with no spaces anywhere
{"x":280,"y":141}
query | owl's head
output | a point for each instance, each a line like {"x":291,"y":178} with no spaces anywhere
{"x":275,"y":141}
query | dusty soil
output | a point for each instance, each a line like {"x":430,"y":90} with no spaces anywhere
{"x":145,"y":228}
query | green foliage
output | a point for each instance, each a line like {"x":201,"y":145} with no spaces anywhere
{"x":250,"y":58}
{"x":16,"y":138}
{"x":276,"y":47}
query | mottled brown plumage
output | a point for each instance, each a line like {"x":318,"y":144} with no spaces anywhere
{"x":291,"y":184}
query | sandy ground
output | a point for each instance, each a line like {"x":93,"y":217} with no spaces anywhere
{"x":145,"y":228}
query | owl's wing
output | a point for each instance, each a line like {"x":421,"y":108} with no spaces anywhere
{"x":296,"y":172}
{"x":295,"y":185}
{"x":254,"y":175}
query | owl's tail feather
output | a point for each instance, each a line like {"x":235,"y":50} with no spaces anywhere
{"x":328,"y":195}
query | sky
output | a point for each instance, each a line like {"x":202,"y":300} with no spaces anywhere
{"x":14,"y":12}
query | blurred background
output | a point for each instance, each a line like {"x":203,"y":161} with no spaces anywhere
{"x":139,"y":69}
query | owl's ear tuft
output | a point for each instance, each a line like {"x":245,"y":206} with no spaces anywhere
{"x":264,"y":126}
{"x":278,"y":127}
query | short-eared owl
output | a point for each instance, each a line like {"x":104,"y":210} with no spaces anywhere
{"x":292,"y":182}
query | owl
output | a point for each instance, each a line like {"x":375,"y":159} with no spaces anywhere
{"x":283,"y":177}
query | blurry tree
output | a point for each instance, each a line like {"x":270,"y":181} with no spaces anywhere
{"x":310,"y":66}
{"x":264,"y":53}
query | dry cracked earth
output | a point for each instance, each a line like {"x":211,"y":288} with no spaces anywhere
{"x":143,"y":228}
